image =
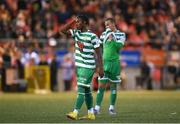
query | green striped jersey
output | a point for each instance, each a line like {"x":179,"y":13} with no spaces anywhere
{"x":85,"y":44}
{"x":112,"y":43}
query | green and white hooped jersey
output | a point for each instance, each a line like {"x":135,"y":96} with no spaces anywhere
{"x":112,"y":43}
{"x":120,"y":37}
{"x":85,"y":44}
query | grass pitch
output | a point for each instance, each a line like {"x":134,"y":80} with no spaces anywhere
{"x":132,"y":106}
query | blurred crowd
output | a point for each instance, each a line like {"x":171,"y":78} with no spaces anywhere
{"x":154,"y":23}
{"x":34,"y":24}
{"x":11,"y":57}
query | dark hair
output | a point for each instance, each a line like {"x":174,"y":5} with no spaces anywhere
{"x":84,"y":18}
{"x":110,"y":19}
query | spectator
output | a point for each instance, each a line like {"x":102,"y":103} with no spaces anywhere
{"x":144,"y":80}
{"x":6,"y":58}
{"x":43,"y":60}
{"x":53,"y":72}
{"x":30,"y":56}
{"x":177,"y":77}
{"x":67,"y":71}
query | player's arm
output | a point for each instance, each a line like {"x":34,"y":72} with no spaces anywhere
{"x":99,"y":61}
{"x":109,"y":35}
{"x":120,"y":40}
{"x":101,"y":42}
{"x":96,"y":43}
{"x":66,"y":27}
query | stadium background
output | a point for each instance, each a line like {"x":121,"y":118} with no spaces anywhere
{"x":34,"y":57}
{"x":29,"y":36}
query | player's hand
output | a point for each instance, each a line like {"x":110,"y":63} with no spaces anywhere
{"x":107,"y":27}
{"x":110,"y":37}
{"x":74,"y":18}
{"x":101,"y":72}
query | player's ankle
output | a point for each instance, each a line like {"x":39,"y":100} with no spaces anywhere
{"x":91,"y":110}
{"x":76,"y":111}
{"x":97,"y":107}
{"x":111,"y":107}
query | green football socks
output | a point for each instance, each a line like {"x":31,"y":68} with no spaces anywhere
{"x":79,"y":101}
{"x":89,"y":100}
{"x":113,"y":96}
{"x":100,"y":95}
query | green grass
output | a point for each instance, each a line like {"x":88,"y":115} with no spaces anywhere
{"x":132,"y":106}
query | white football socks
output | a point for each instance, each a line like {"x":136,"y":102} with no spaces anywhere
{"x":90,"y":110}
{"x":111,"y":107}
{"x":75,"y":110}
{"x":97,"y":107}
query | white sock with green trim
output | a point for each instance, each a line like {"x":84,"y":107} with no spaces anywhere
{"x":90,"y":110}
{"x":111,"y":107}
{"x":97,"y":107}
{"x":76,"y":111}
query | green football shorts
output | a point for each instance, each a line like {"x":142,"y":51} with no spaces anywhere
{"x":84,"y":76}
{"x":111,"y":72}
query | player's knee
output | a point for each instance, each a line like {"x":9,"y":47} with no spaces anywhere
{"x":88,"y":94}
{"x":80,"y":94}
{"x":101,"y":90}
{"x":113,"y":89}
{"x":113,"y":86}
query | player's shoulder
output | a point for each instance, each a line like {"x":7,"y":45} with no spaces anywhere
{"x":118,"y":32}
{"x":103,"y":33}
{"x":75,"y":30}
{"x":89,"y":33}
{"x":120,"y":36}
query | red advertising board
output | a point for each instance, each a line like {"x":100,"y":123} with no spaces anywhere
{"x":157,"y":57}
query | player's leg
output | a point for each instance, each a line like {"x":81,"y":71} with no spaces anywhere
{"x":89,"y":100}
{"x":114,"y":79}
{"x":87,"y":75}
{"x":100,"y":93}
{"x":102,"y":82}
{"x":99,"y":97}
{"x":80,"y":96}
{"x":89,"y":104}
{"x":113,"y":97}
{"x":78,"y":104}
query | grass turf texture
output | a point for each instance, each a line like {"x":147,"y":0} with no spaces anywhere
{"x":132,"y":106}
